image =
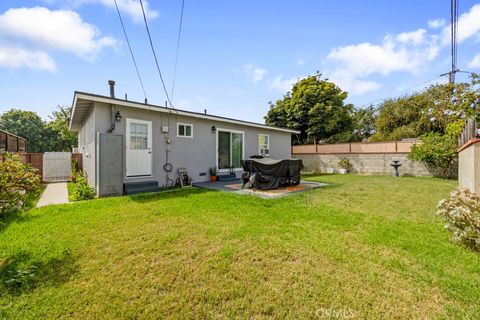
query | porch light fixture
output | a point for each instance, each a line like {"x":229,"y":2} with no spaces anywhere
{"x":214,"y":129}
{"x":118,"y":116}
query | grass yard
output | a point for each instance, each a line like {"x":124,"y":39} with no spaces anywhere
{"x":364,"y":247}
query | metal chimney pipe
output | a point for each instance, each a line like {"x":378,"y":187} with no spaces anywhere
{"x":111,"y":83}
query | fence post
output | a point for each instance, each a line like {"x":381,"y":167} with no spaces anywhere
{"x":350,"y":147}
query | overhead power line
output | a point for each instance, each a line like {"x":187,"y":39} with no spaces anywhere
{"x":155,"y":55}
{"x":130,"y":48}
{"x":178,"y":46}
{"x":403,"y":91}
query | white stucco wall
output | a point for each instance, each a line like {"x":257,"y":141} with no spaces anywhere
{"x":469,"y":168}
{"x":86,"y":146}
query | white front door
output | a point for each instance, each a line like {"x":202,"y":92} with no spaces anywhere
{"x":139,"y":148}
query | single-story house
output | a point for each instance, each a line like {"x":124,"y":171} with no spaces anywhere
{"x":126,"y":143}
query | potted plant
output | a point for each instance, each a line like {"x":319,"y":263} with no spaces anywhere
{"x":330,"y":168}
{"x":213,"y":173}
{"x":343,"y":165}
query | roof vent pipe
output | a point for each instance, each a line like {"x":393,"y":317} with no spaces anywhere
{"x":111,"y":83}
{"x":205,"y":111}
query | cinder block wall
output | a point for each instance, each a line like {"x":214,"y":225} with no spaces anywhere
{"x":377,"y":163}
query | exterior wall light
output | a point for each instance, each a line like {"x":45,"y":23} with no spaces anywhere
{"x":214,"y":129}
{"x":118,"y":116}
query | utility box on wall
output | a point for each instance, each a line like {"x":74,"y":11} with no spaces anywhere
{"x":110,"y":164}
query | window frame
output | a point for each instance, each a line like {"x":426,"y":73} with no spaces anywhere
{"x":185,"y":130}
{"x":268,"y":144}
{"x":243,"y":148}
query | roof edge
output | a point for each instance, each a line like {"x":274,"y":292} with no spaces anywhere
{"x":135,"y":104}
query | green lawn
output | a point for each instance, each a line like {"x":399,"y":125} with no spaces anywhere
{"x":370,"y":247}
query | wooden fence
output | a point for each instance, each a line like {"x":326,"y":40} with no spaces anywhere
{"x":12,"y":143}
{"x":36,"y":160}
{"x":355,"y":148}
{"x":470,"y":130}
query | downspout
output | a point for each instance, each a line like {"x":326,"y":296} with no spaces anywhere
{"x":111,"y":83}
{"x":112,"y":125}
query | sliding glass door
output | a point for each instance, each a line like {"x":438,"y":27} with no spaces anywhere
{"x":230,"y":149}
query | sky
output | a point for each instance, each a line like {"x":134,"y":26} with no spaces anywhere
{"x":234,"y":56}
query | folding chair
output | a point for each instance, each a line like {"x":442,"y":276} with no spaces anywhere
{"x":184,"y":179}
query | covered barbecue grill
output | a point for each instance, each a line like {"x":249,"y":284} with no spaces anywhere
{"x":267,"y":173}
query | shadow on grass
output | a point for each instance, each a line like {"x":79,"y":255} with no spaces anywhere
{"x":169,"y":194}
{"x":20,"y":274}
{"x":20,"y":215}
{"x":13,"y":216}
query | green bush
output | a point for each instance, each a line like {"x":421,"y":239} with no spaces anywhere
{"x":18,"y":183}
{"x":461,"y":213}
{"x":438,"y":152}
{"x":82,"y":191}
{"x":344,"y":163}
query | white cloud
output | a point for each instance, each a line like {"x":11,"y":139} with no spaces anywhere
{"x":300,"y":62}
{"x":416,"y":37}
{"x":256,"y":74}
{"x":468,"y":26}
{"x":405,"y":52}
{"x":437,"y":23}
{"x":283,"y":85}
{"x":130,"y":7}
{"x":55,"y":29}
{"x":354,"y":86}
{"x":17,"y":57}
{"x":475,"y":63}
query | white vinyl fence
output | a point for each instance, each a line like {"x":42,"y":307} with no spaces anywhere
{"x":57,"y":166}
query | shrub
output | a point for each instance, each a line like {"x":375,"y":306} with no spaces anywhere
{"x":82,"y":190}
{"x":344,"y":164}
{"x":438,"y":152}
{"x":461,"y":213}
{"x":18,"y":183}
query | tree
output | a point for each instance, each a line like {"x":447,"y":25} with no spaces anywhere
{"x":61,"y":138}
{"x":446,"y":118}
{"x":430,"y":110}
{"x":364,"y":123}
{"x":41,"y":136}
{"x":26,"y":124}
{"x":315,"y":107}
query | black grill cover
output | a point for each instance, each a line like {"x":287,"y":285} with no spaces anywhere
{"x":267,"y":173}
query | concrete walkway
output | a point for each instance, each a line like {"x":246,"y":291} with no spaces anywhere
{"x":55,"y":193}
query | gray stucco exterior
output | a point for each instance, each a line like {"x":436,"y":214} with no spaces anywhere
{"x":196,"y":154}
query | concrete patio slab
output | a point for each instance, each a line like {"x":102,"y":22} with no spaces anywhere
{"x":236,"y":187}
{"x":55,"y":193}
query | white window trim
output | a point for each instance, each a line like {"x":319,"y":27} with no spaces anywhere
{"x":184,"y":124}
{"x":216,"y":145}
{"x":268,"y":144}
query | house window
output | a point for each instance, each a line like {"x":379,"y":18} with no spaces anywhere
{"x":230,"y":149}
{"x":264,"y":144}
{"x":184,"y":130}
{"x":138,"y":136}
